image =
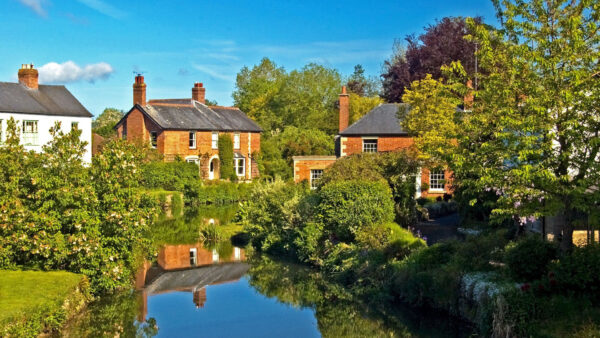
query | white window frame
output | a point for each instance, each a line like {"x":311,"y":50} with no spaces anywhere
{"x":192,"y":139}
{"x":153,"y":139}
{"x":315,"y":176}
{"x":437,"y":180}
{"x":30,"y":138}
{"x":367,"y":145}
{"x":215,"y":140}
{"x":237,"y":165}
{"x":194,"y":160}
{"x":193,"y":257}
{"x":236,"y":141}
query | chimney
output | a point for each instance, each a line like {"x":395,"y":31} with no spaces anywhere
{"x":198,"y":93}
{"x":28,"y":76}
{"x":344,"y":109}
{"x":468,"y":99}
{"x":139,"y":91}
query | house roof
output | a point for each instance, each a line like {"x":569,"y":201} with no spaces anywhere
{"x":187,"y":114}
{"x":46,"y":100}
{"x":381,"y":120}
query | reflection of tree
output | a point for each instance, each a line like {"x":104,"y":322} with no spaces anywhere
{"x":113,"y":316}
{"x":339,"y":312}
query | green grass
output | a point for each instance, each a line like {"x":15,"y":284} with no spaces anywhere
{"x":33,"y":301}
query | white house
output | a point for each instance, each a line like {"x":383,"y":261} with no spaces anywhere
{"x":37,"y":107}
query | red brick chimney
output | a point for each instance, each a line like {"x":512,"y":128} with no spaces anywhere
{"x":28,"y":76}
{"x":139,"y":91}
{"x":344,"y":109}
{"x":468,"y":99}
{"x":198,"y":93}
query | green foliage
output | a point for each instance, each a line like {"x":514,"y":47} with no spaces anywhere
{"x":216,"y":193}
{"x":277,"y":99}
{"x":362,"y":85}
{"x":104,"y":124}
{"x":33,"y":302}
{"x":61,"y":214}
{"x":397,"y":168}
{"x":579,"y":272}
{"x":347,"y":206}
{"x":528,"y":258}
{"x":226,"y":158}
{"x":171,"y":176}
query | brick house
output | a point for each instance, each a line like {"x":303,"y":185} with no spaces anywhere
{"x":378,"y":131}
{"x":189,"y":129}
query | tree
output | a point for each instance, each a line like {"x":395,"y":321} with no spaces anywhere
{"x":360,"y":85}
{"x":533,"y":134}
{"x":255,"y":91}
{"x":359,"y":105}
{"x":103,"y":124}
{"x":441,"y":44}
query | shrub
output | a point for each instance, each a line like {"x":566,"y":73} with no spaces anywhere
{"x":171,"y":176}
{"x":528,"y":258}
{"x":579,"y":272}
{"x":226,"y":157}
{"x":348,"y":206}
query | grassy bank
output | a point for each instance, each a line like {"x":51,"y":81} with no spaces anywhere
{"x":34,"y":302}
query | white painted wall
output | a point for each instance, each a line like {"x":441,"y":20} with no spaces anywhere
{"x":45,"y":122}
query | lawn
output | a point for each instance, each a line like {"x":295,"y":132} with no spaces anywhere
{"x":35,"y":299}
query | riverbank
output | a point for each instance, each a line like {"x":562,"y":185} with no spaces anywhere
{"x":36,"y":302}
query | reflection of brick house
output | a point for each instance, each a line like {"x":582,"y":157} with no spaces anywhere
{"x":183,"y":256}
{"x":189,"y":129}
{"x":378,"y":131}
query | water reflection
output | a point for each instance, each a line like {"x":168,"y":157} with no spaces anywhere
{"x":217,"y":291}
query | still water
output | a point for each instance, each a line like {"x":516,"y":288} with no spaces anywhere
{"x":196,"y":290}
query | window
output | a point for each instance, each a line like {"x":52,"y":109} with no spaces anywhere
{"x":74,"y":125}
{"x":30,"y":133}
{"x":192,"y":140}
{"x":193,"y":256}
{"x":240,"y":166}
{"x":194,"y":160}
{"x":436,"y":180}
{"x":370,"y":146}
{"x":215,"y":140}
{"x":315,"y":176}
{"x":236,"y":141}
{"x":1,"y":134}
{"x":153,"y":139}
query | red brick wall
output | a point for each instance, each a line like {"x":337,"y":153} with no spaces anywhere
{"x":302,"y":168}
{"x":353,"y":145}
{"x":171,"y":257}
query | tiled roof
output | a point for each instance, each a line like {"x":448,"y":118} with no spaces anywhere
{"x":46,"y":100}
{"x":381,"y":120}
{"x":186,"y":114}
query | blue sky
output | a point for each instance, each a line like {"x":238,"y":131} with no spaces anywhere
{"x":94,"y":46}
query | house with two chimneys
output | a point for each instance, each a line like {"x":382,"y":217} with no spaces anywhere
{"x":378,"y":131}
{"x":189,"y":129}
{"x":36,"y":108}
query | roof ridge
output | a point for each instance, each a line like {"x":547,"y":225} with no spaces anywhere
{"x":225,"y":107}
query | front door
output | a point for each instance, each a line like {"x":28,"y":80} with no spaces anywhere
{"x":211,"y":170}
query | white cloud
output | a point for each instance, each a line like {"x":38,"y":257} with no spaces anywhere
{"x":71,"y":72}
{"x":104,"y":8}
{"x":35,"y":5}
{"x":218,"y":72}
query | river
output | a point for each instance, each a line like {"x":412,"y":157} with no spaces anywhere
{"x":220,"y":290}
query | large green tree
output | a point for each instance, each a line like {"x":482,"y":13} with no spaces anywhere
{"x":103,"y":124}
{"x":532,"y":135}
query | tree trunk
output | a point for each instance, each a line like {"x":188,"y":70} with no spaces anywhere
{"x":566,"y":243}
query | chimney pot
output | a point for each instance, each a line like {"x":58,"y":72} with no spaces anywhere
{"x":28,"y":76}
